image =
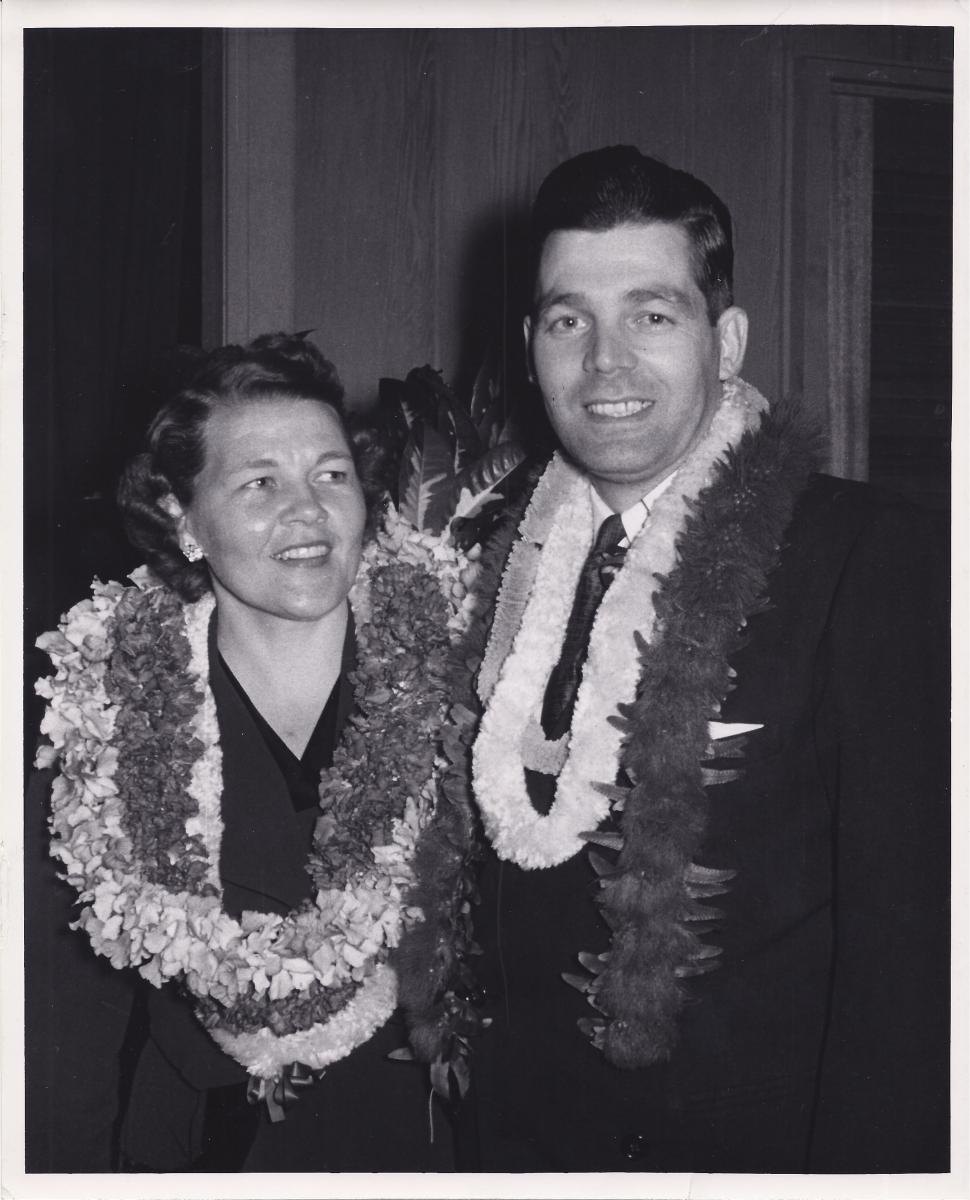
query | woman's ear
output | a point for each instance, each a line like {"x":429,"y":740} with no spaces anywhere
{"x":170,"y":505}
{"x":527,"y":337}
{"x":187,"y":543}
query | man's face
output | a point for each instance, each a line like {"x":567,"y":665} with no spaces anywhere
{"x":625,"y":355}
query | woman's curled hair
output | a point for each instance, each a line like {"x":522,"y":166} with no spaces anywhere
{"x":276,"y":365}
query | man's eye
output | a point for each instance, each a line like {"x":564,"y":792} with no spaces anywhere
{"x":567,"y":323}
{"x":652,"y":320}
{"x":335,"y":475}
{"x":258,"y":485}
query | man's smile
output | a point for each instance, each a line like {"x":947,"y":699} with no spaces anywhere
{"x":616,"y":409}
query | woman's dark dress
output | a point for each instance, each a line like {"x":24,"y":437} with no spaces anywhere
{"x":121,"y":1073}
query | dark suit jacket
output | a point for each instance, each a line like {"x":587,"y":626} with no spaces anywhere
{"x":821,"y":1041}
{"x":111,"y":1059}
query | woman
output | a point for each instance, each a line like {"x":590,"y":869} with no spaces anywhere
{"x":240,"y":767}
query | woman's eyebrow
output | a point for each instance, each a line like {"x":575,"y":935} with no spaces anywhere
{"x":253,"y":463}
{"x":269,"y":461}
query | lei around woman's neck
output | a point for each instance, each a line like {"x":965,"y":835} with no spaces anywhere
{"x":136,"y":812}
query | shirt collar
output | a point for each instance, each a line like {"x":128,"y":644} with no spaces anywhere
{"x":633,"y":518}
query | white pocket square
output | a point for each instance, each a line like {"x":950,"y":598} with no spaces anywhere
{"x":716,"y":730}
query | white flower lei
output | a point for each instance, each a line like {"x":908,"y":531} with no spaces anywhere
{"x":532,"y":610}
{"x":342,"y":939}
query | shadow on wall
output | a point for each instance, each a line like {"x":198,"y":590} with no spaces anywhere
{"x":496,"y":276}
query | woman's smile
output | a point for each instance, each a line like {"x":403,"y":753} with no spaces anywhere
{"x":314,"y":554}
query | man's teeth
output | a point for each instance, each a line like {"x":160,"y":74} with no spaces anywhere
{"x":618,"y":408}
{"x":316,"y":551}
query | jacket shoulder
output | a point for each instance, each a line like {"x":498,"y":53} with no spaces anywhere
{"x":851,"y":495}
{"x":850,"y":539}
{"x":842,"y":510}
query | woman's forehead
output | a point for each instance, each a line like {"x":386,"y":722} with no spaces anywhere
{"x":273,"y":426}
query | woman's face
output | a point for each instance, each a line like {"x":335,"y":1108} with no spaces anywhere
{"x":278,"y":508}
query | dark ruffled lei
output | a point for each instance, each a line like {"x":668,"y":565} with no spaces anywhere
{"x":388,"y":748}
{"x":386,"y":754}
{"x":294,"y":1013}
{"x":652,"y":894}
{"x":438,"y":988}
{"x":148,"y":677}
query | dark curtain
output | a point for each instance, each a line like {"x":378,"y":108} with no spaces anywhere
{"x":112,"y":272}
{"x":111,"y":277}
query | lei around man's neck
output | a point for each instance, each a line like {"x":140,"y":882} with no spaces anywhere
{"x":650,"y":888}
{"x":526,"y":641}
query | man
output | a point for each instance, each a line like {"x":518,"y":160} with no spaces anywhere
{"x":711,"y":758}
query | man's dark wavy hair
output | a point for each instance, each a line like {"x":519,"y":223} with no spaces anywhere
{"x":618,"y":185}
{"x":275,"y":365}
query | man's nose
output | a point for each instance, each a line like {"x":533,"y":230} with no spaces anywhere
{"x":608,"y":351}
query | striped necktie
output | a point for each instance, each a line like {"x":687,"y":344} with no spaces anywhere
{"x":602,"y":563}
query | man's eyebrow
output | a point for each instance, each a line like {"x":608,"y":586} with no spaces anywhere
{"x":668,"y":295}
{"x":675,"y":296}
{"x":551,"y":299}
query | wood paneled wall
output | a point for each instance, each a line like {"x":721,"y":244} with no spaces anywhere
{"x":417,"y":152}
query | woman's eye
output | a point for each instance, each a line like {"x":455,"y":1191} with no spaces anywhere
{"x":258,"y":485}
{"x":336,"y":475}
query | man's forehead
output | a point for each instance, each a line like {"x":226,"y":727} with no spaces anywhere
{"x":653,"y":256}
{"x":628,"y":263}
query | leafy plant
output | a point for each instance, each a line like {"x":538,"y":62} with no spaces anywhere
{"x":450,"y":457}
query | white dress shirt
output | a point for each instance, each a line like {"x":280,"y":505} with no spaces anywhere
{"x":633,"y":518}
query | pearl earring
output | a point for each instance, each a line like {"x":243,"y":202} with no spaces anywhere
{"x":192,"y":551}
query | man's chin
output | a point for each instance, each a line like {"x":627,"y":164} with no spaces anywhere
{"x":621,"y":490}
{"x":605,"y":464}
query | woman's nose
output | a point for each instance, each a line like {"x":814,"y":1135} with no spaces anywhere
{"x":304,"y":503}
{"x":608,"y":351}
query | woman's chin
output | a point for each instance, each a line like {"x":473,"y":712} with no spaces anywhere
{"x":301,"y":604}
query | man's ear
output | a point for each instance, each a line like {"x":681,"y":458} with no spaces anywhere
{"x":732,"y":336}
{"x":527,"y":336}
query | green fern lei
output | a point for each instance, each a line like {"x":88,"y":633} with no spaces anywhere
{"x":726,"y":553}
{"x":440,"y":1001}
{"x":450,"y":456}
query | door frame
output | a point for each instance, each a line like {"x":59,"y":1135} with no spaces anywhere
{"x":828,"y":322}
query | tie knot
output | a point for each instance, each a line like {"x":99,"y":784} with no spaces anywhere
{"x":610,"y":534}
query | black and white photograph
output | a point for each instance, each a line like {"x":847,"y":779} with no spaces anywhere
{"x":482,"y":545}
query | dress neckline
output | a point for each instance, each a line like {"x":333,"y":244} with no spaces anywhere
{"x":302,"y":773}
